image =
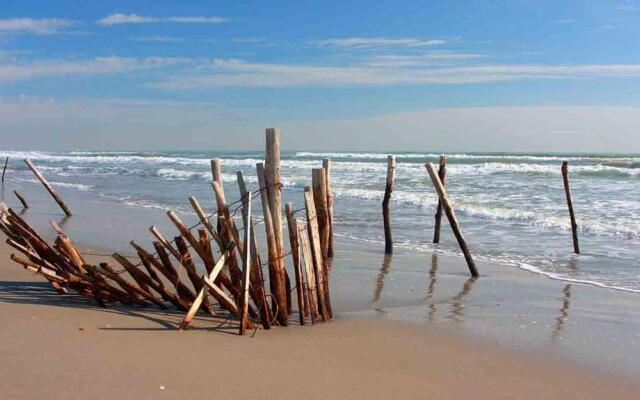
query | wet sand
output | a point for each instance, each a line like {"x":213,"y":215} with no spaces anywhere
{"x":64,"y":347}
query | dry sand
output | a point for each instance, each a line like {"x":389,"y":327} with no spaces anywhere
{"x":60,"y":347}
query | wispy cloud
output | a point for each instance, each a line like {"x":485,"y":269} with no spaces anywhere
{"x":564,"y":21}
{"x":16,"y":70}
{"x":368,"y":42}
{"x":239,"y":73}
{"x":117,"y":19}
{"x":424,"y":59}
{"x":44,"y":26}
{"x":161,"y":39}
{"x":249,"y":40}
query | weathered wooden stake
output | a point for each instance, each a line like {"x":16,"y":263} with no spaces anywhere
{"x":316,"y":248}
{"x":326,"y":165}
{"x":49,"y":188}
{"x":311,"y":294}
{"x":567,"y":191}
{"x":442,"y":173}
{"x":6,"y":161}
{"x":386,"y":212}
{"x":451,"y":216}
{"x":319,"y":183}
{"x":292,"y":226}
{"x":22,"y":200}
{"x":274,"y":191}
{"x":246,"y":266}
{"x":276,"y":269}
{"x":257,"y":280}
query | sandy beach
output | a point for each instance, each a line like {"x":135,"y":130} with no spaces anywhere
{"x":65,"y":347}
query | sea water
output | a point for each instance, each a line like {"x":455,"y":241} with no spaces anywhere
{"x":511,"y":207}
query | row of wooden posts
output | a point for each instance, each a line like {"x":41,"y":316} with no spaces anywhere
{"x":237,"y":286}
{"x":444,"y":204}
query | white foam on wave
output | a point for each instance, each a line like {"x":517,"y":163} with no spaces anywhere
{"x":79,"y":186}
{"x":462,"y":156}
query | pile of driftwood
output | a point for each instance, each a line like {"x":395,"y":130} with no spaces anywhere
{"x":234,"y":272}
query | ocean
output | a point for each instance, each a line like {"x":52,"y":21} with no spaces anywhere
{"x":511,"y":206}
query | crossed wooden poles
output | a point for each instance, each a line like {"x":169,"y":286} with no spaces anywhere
{"x":237,"y":285}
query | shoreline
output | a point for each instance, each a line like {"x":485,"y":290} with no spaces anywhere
{"x":506,"y":305}
{"x":124,"y":352}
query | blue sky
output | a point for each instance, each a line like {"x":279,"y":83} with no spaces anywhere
{"x":145,"y":69}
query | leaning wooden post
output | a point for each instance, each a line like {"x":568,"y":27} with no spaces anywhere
{"x":22,"y":200}
{"x":6,"y":161}
{"x":320,"y":269}
{"x":442,"y":174}
{"x":49,"y":188}
{"x":386,"y":213}
{"x":326,"y":165}
{"x":246,"y":265}
{"x":451,"y":216}
{"x":567,"y":191}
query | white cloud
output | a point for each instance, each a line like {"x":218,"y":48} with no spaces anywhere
{"x":231,"y":72}
{"x":368,"y":42}
{"x":428,"y":58}
{"x":44,"y":26}
{"x":117,"y":19}
{"x":17,"y":70}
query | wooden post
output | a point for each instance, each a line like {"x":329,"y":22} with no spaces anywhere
{"x":257,"y":280}
{"x":320,"y":271}
{"x":567,"y":191}
{"x":274,"y":192}
{"x":276,"y":269}
{"x":292,"y":225}
{"x":386,"y":213}
{"x":6,"y":161}
{"x":49,"y":188}
{"x":22,"y":200}
{"x":451,"y":216}
{"x":246,"y":266}
{"x":202,"y":294}
{"x":311,"y":294}
{"x":442,"y":173}
{"x":326,"y":165}
{"x":319,"y":183}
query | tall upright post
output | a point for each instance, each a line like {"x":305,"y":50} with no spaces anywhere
{"x":277,"y":280}
{"x":272,"y":179}
{"x":451,"y":216}
{"x":319,"y":184}
{"x":216,"y":170}
{"x":48,"y":186}
{"x":567,"y":192}
{"x":246,"y":264}
{"x":386,"y":213}
{"x":6,"y":161}
{"x":326,"y":165}
{"x":442,"y":173}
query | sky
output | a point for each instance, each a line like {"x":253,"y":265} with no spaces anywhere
{"x":459,"y":75}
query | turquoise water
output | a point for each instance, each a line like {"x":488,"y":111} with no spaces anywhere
{"x":511,"y":206}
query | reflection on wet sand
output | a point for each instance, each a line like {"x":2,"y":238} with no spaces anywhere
{"x":384,"y":270}
{"x":432,"y":286}
{"x":564,"y":313}
{"x":457,"y":308}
